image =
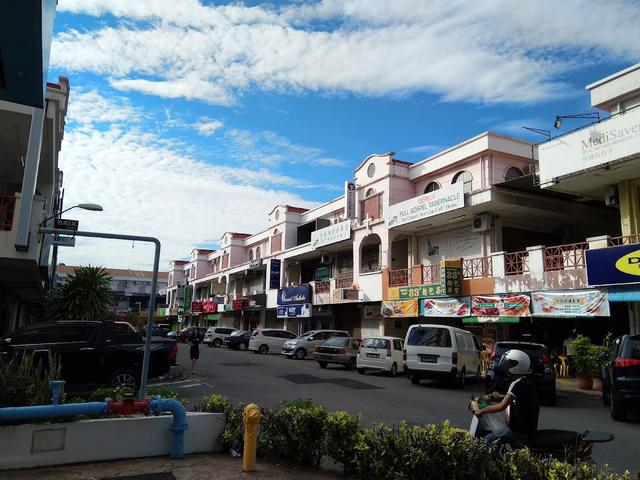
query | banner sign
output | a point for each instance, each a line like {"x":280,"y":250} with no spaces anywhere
{"x":613,"y":265}
{"x":433,"y":203}
{"x":444,"y":307}
{"x":350,"y":199}
{"x":491,"y":320}
{"x":274,"y":273}
{"x":506,"y":305}
{"x":188,"y":295}
{"x":450,"y":284}
{"x":299,"y":294}
{"x":209,"y":306}
{"x":227,"y":307}
{"x":296,"y":310}
{"x":196,"y":307}
{"x":575,"y":303}
{"x":400,"y":308}
{"x":256,"y":263}
{"x":237,"y":304}
{"x":331,"y":234}
{"x":218,"y":288}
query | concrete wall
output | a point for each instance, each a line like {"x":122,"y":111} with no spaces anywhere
{"x":37,"y":445}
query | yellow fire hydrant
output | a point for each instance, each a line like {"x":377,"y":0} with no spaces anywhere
{"x":251,"y":419}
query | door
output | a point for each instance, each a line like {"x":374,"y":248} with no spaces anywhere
{"x":398,"y":346}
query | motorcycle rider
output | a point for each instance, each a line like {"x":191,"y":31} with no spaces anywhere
{"x":522,"y":397}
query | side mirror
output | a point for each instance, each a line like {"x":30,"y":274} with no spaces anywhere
{"x":310,"y":339}
{"x":601,"y":356}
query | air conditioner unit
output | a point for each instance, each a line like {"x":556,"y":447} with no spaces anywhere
{"x":325,"y":257}
{"x":611,"y":197}
{"x":482,"y":223}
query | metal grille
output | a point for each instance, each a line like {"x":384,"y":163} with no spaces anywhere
{"x":430,"y":274}
{"x":565,"y":257}
{"x":399,"y":278}
{"x":323,"y":286}
{"x":625,"y":240}
{"x":477,"y":267}
{"x":344,"y":281}
{"x":7,"y":207}
{"x":516,"y":263}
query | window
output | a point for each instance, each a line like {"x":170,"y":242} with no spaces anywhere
{"x":376,"y":343}
{"x":370,"y":258}
{"x":432,"y":187}
{"x":429,"y":337}
{"x":371,"y":170}
{"x":277,"y":214}
{"x":512,"y":172}
{"x":250,"y":254}
{"x":370,"y":191}
{"x":258,"y":253}
{"x":397,"y":344}
{"x":465,"y":178}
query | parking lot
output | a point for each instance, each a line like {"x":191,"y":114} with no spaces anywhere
{"x":268,"y":379}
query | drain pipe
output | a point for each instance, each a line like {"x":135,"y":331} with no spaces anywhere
{"x":158,"y":405}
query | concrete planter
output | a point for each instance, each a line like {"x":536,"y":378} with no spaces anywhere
{"x":584,"y":383}
{"x":44,"y":444}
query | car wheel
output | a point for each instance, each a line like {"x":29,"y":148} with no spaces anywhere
{"x":210,"y":345}
{"x":217,"y":343}
{"x":478,"y":377}
{"x":301,"y":354}
{"x":242,"y":346}
{"x":263,"y":349}
{"x":415,"y":380}
{"x":394,"y":370}
{"x":606,"y":401}
{"x":361,"y":371}
{"x":618,"y":412}
{"x":124,"y":378}
{"x":322,"y":364}
{"x":351,"y":364}
{"x":459,"y":380}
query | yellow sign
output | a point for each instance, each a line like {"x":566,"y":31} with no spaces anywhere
{"x":630,"y":263}
{"x":400,"y":308}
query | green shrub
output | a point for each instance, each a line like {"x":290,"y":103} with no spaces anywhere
{"x":24,"y":380}
{"x":341,"y":435}
{"x":119,"y":393}
{"x":216,"y":403}
{"x":233,"y":435}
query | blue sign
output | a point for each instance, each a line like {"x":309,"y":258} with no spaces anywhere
{"x":274,"y":273}
{"x":613,"y":265}
{"x":299,"y":294}
{"x":300,"y":310}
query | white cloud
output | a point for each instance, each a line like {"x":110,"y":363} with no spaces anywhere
{"x":208,"y":127}
{"x":424,"y":149}
{"x":490,"y":51}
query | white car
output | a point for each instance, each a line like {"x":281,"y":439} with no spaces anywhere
{"x":215,"y":335}
{"x":380,"y":353}
{"x":265,"y":340}
{"x":441,"y":352}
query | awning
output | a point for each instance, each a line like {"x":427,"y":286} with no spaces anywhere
{"x":491,"y":320}
{"x":624,"y":294}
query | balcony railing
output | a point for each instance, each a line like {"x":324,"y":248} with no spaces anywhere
{"x":7,"y":208}
{"x":565,"y":257}
{"x":430,"y":274}
{"x":625,"y":240}
{"x":399,"y":278}
{"x":477,"y":267}
{"x":323,"y":286}
{"x":516,"y":263}
{"x":344,"y":281}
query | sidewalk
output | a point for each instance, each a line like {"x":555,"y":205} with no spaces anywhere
{"x":207,"y":466}
{"x":569,"y":385}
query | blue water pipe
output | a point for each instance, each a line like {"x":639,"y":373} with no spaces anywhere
{"x":179,"y":425}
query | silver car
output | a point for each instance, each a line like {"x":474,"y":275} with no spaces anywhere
{"x":306,"y":343}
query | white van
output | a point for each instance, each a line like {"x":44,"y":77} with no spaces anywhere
{"x":441,"y":352}
{"x":265,"y":340}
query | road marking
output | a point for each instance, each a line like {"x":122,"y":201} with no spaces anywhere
{"x":168,"y":383}
{"x":190,"y":386}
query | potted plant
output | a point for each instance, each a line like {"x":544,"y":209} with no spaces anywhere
{"x":600,"y":353}
{"x":585,"y":361}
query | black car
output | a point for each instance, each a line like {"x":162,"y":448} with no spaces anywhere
{"x":542,"y":369}
{"x":238,"y":340}
{"x":188,"y":331}
{"x":621,"y":376}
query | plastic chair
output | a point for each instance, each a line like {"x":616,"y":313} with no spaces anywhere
{"x":564,"y":366}
{"x":485,"y":361}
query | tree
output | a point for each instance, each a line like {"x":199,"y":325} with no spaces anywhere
{"x":85,"y":295}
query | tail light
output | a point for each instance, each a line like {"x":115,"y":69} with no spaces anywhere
{"x":627,"y":362}
{"x":388,"y":351}
{"x":340,"y":351}
{"x":546,"y":359}
{"x":173,"y":353}
{"x":454,"y":358}
{"x":404,"y":355}
{"x":317,"y":349}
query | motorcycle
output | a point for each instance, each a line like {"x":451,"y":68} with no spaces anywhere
{"x":565,"y":445}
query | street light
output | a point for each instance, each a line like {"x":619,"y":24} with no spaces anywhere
{"x":559,"y":118}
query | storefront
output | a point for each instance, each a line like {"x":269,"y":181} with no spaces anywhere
{"x":294,"y":307}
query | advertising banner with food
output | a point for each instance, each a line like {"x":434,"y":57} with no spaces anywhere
{"x":576,"y":303}
{"x":507,"y":305}
{"x":444,"y":307}
{"x":400,"y":308}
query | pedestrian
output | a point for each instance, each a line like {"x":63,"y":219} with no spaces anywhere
{"x":195,"y":339}
{"x":567,"y":349}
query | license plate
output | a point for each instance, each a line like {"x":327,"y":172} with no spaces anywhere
{"x":428,"y":358}
{"x":325,"y":357}
{"x":373,"y":355}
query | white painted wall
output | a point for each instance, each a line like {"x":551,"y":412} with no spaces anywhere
{"x":457,"y":243}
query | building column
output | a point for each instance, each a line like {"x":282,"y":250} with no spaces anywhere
{"x":536,"y":265}
{"x":29,"y":179}
{"x":629,"y":207}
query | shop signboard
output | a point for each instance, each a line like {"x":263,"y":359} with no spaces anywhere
{"x":188,"y":295}
{"x":237,"y":304}
{"x":450,"y":283}
{"x":255,"y":263}
{"x":295,"y":310}
{"x":444,"y":307}
{"x":491,"y":320}
{"x":350,"y":199}
{"x":212,"y":317}
{"x":162,"y":312}
{"x":350,"y":294}
{"x":227,"y":307}
{"x":274,"y":273}
{"x":299,"y":294}
{"x":400,"y":308}
{"x":428,"y":205}
{"x":613,"y":265}
{"x":196,"y":307}
{"x":612,"y":139}
{"x":337,"y":232}
{"x":209,"y":306}
{"x":218,"y":288}
{"x":259,"y":300}
{"x":505,"y":305}
{"x":574,"y":303}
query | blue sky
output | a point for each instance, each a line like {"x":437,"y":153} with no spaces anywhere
{"x":188,"y":119}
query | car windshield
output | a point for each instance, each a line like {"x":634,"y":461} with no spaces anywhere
{"x":429,"y":337}
{"x":375,"y":343}
{"x":337,"y":341}
{"x":305,"y":335}
{"x":237,"y":332}
{"x":634,"y":348}
{"x":533,"y":351}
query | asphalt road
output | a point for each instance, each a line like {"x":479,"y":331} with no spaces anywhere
{"x":267,"y":379}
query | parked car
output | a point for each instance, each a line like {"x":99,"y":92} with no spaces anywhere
{"x":157,"y":330}
{"x":215,"y":335}
{"x":186,"y":333}
{"x":107,"y":352}
{"x":621,"y":376}
{"x":340,"y":350}
{"x":238,"y":340}
{"x":306,"y":343}
{"x":542,"y":369}
{"x":269,"y":340}
{"x":380,"y":353}
{"x":441,"y":352}
{"x":173,"y":335}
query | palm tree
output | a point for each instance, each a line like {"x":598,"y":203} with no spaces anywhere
{"x":85,"y":295}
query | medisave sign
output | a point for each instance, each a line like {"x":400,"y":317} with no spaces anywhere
{"x":427,"y":205}
{"x":604,"y":142}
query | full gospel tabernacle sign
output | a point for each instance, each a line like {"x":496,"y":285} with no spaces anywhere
{"x":427,"y":205}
